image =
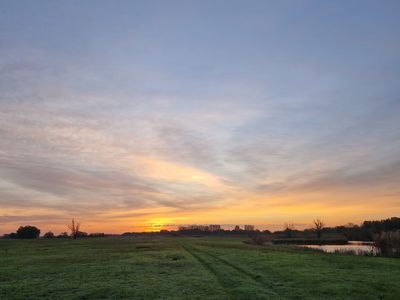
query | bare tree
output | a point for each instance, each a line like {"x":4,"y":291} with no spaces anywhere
{"x":74,"y":228}
{"x":318,"y":227}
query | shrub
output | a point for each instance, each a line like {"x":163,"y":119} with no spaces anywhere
{"x":63,"y":235}
{"x":80,"y":234}
{"x":11,"y":235}
{"x":48,"y":235}
{"x":388,"y":243}
{"x":28,"y":232}
{"x":97,"y":234}
{"x":258,"y":240}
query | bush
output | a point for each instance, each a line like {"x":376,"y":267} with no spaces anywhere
{"x":97,"y":234}
{"x":28,"y":232}
{"x":258,"y":240}
{"x":388,"y":243}
{"x":81,"y":234}
{"x":63,"y":235}
{"x":11,"y":235}
{"x":48,"y":235}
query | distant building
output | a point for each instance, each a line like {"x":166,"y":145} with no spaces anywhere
{"x":214,"y":227}
{"x":249,"y":227}
{"x":194,"y":228}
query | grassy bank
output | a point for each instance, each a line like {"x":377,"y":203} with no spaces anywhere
{"x":187,"y":268}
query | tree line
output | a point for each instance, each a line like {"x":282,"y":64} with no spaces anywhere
{"x":33,"y":232}
{"x":364,"y":232}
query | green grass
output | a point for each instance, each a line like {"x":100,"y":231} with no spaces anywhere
{"x":187,"y":268}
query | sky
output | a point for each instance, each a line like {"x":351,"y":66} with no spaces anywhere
{"x":145,"y":115}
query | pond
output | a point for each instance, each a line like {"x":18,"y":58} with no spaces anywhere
{"x":357,"y":247}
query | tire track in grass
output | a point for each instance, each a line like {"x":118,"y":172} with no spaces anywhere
{"x":259,"y":279}
{"x":210,"y":270}
{"x":236,"y":283}
{"x":237,"y":268}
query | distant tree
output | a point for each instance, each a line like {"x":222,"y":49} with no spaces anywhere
{"x":12,"y":235}
{"x":249,"y":227}
{"x":214,"y":227}
{"x":74,"y":228}
{"x":97,"y":234}
{"x":63,"y":235}
{"x":81,"y":234}
{"x":48,"y":235}
{"x":288,"y":229}
{"x":128,"y":233}
{"x":388,"y":243}
{"x":28,"y":232}
{"x":371,"y":228}
{"x":318,"y":227}
{"x":237,"y":228}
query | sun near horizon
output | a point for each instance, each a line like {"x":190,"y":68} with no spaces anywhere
{"x":130,"y":116}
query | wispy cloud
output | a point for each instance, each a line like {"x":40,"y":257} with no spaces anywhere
{"x":255,"y":118}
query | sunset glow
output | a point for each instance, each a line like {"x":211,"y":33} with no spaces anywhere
{"x":131,"y":117}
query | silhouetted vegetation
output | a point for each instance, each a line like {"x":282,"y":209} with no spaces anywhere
{"x":97,"y":234}
{"x":289,"y":229}
{"x":200,"y":228}
{"x":12,"y":235}
{"x":249,"y":227}
{"x":367,"y":231}
{"x":74,"y":228}
{"x":48,"y":235}
{"x":81,"y":234}
{"x":388,"y":243}
{"x":63,"y":235}
{"x":259,"y":240}
{"x":28,"y":232}
{"x":318,"y":227}
{"x":386,"y":225}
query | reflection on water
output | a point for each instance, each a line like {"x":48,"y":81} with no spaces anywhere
{"x":356,"y":247}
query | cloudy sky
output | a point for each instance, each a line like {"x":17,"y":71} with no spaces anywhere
{"x":139,"y":115}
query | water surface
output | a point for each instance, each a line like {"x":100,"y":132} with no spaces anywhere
{"x":358,"y":247}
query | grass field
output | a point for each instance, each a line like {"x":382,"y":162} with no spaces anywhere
{"x":187,"y":268}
